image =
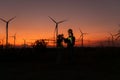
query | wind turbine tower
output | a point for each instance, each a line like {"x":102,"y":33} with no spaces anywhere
{"x":82,"y":37}
{"x":7,"y":23}
{"x":56,"y":26}
{"x":112,"y":39}
{"x":24,"y":40}
{"x":14,"y":37}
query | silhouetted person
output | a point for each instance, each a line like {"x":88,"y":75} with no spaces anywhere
{"x":70,"y":41}
{"x":60,"y":40}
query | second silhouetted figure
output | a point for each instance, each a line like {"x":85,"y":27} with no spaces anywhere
{"x":70,"y":40}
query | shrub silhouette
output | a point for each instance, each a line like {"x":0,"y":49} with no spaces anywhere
{"x":40,"y":44}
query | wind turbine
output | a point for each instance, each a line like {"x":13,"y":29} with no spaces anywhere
{"x":24,"y":40}
{"x":82,"y":37}
{"x":118,"y":34}
{"x":7,"y":23}
{"x":112,"y":39}
{"x":56,"y":26}
{"x":14,"y":37}
{"x":2,"y":41}
{"x":108,"y":40}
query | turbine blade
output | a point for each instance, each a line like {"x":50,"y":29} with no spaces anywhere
{"x":81,"y":35}
{"x":54,"y":34}
{"x":3,"y":20}
{"x":117,"y":34}
{"x":15,"y":34}
{"x":110,"y":34}
{"x":61,"y":21}
{"x":52,"y":19}
{"x":11,"y":19}
{"x":117,"y":38}
{"x":55,"y":30}
{"x":80,"y":31}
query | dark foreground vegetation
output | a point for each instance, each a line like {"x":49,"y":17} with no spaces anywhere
{"x":51,"y":63}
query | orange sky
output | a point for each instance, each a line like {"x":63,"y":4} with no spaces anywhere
{"x":97,"y":18}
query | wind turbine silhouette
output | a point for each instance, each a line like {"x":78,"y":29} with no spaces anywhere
{"x":82,"y":37}
{"x":56,"y":26}
{"x":112,"y":39}
{"x":14,"y":37}
{"x":108,"y":40}
{"x":7,"y":22}
{"x":24,"y":40}
{"x":118,"y":34}
{"x":2,"y":41}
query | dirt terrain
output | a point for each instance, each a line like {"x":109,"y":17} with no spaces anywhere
{"x":52,"y":63}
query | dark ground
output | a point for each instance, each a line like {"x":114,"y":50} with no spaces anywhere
{"x":44,"y":64}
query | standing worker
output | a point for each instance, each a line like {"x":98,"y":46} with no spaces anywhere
{"x":70,"y":41}
{"x":59,"y":41}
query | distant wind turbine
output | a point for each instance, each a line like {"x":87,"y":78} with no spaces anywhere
{"x":108,"y":41}
{"x":14,"y":37}
{"x":24,"y":40}
{"x":2,"y":41}
{"x":118,"y":34}
{"x":112,"y":39}
{"x":56,"y":27}
{"x":82,"y":37}
{"x":7,"y":22}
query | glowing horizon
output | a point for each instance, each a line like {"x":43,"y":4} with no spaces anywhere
{"x":97,"y":18}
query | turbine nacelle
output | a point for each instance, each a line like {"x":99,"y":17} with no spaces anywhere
{"x":8,"y":20}
{"x":82,"y":34}
{"x":56,"y":21}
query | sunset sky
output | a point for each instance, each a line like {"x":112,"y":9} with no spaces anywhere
{"x":96,"y":17}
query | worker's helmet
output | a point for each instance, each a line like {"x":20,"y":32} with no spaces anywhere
{"x":70,"y":30}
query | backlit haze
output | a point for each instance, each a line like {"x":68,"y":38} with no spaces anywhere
{"x":95,"y":17}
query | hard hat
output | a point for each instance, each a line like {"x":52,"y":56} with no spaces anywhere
{"x":70,"y":30}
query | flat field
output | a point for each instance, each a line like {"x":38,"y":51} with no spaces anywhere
{"x":51,"y":63}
